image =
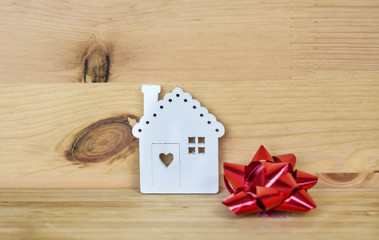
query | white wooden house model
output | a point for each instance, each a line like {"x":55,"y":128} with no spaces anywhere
{"x":178,"y":142}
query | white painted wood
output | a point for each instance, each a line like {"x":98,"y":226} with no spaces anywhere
{"x":165,"y":177}
{"x":180,"y":126}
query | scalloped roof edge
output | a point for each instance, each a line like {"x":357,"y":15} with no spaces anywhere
{"x":175,"y":93}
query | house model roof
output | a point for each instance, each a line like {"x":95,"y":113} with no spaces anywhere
{"x":178,"y":112}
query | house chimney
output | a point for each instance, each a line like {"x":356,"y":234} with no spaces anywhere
{"x":150,"y":97}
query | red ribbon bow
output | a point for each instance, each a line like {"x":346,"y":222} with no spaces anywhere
{"x":268,"y":183}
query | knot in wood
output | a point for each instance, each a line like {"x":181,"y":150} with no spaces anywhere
{"x":103,"y":140}
{"x":96,"y":64}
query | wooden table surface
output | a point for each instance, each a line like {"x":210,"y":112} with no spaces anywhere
{"x":295,"y":76}
{"x":128,"y":214}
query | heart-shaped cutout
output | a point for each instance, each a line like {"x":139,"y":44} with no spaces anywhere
{"x":166,"y":158}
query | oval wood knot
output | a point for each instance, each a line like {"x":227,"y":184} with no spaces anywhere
{"x":341,"y":177}
{"x":103,"y":140}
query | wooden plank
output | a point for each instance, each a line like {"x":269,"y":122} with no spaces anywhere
{"x":155,"y":40}
{"x":331,"y":126}
{"x":119,"y":214}
{"x":71,"y":41}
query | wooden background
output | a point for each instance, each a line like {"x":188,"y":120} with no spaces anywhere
{"x":296,"y":76}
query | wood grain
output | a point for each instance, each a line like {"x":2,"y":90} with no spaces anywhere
{"x":121,"y":41}
{"x":331,"y":126}
{"x":298,"y":77}
{"x":127,"y":214}
{"x":348,"y":180}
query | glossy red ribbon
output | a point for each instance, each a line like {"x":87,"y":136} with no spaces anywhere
{"x":268,"y":183}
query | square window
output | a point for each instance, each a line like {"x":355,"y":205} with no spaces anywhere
{"x":201,"y":140}
{"x":191,"y":140}
{"x":191,"y":150}
{"x":201,"y":150}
